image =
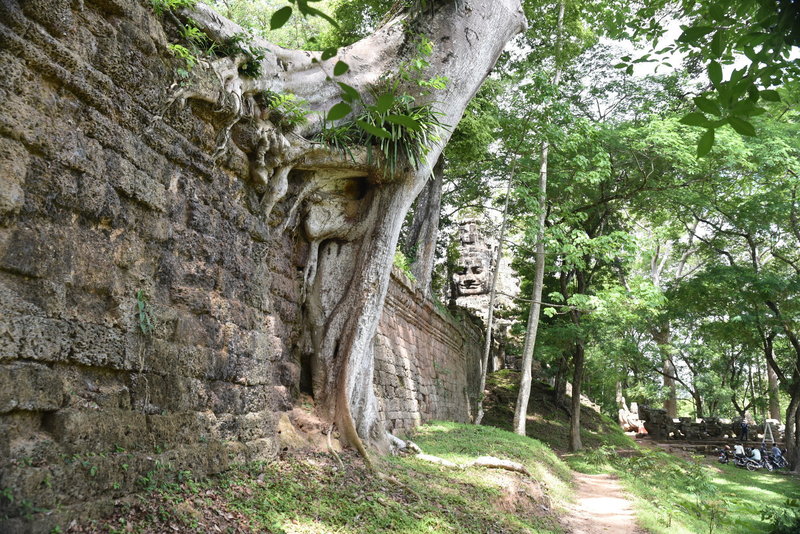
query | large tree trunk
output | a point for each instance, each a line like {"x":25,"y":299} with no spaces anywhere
{"x":661,"y":335}
{"x":352,"y":228}
{"x":577,"y":378}
{"x":424,"y":230}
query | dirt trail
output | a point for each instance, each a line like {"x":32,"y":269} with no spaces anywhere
{"x":601,"y":507}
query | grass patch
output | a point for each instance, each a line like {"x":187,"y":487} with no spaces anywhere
{"x":677,"y":496}
{"x":670,"y":494}
{"x":311,"y":494}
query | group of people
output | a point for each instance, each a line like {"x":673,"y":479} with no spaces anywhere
{"x":758,"y":454}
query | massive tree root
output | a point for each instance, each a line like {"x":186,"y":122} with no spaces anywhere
{"x":351,"y":206}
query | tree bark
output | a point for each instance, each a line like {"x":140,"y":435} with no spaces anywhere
{"x":577,"y":378}
{"x":351,"y":238}
{"x":791,"y":433}
{"x":424,"y":229}
{"x":698,"y":404}
{"x":772,"y":378}
{"x":661,"y":335}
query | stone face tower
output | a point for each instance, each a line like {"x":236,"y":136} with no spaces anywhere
{"x":472,"y":278}
{"x":473,"y":273}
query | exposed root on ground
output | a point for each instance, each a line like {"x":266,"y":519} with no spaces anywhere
{"x":489,"y":462}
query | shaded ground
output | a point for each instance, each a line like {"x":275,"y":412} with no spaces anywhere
{"x":312,"y":493}
{"x":601,"y":507}
{"x":547,"y":421}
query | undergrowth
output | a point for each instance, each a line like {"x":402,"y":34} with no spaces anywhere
{"x":311,"y":493}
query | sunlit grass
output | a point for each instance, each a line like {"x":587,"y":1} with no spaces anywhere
{"x":673,"y":495}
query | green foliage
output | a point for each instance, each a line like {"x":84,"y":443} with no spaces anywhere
{"x":394,"y":125}
{"x":720,"y":33}
{"x":402,"y":263}
{"x":286,"y":109}
{"x":144,"y":314}
{"x":242,"y":44}
{"x":162,"y":6}
{"x":783,"y":519}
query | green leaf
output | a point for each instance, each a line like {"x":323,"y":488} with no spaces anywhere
{"x":384,"y":103}
{"x":716,"y":11}
{"x":770,"y":95}
{"x":349,"y":94}
{"x":715,"y":73}
{"x":707,"y":105}
{"x":691,"y":35}
{"x":374,"y":130}
{"x":280,"y":17}
{"x":329,"y":53}
{"x":742,"y":126}
{"x":694,"y":119}
{"x":717,"y":46}
{"x":403,"y":120}
{"x":705,"y":143}
{"x":339,"y":111}
{"x":340,"y":68}
{"x":306,"y":10}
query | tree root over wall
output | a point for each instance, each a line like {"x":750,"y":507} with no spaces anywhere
{"x":351,"y":206}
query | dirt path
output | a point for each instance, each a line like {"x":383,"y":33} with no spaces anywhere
{"x":601,"y":507}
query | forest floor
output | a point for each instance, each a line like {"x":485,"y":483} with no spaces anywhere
{"x":614,"y":486}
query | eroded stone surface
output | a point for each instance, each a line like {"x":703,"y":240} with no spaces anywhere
{"x":99,"y":201}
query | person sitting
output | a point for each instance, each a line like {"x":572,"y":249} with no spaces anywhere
{"x":738,"y":450}
{"x":755,"y":454}
{"x":776,"y":452}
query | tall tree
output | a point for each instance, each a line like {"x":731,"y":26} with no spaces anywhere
{"x":521,"y":410}
{"x":352,"y":235}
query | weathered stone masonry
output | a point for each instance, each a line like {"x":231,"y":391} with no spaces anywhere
{"x":426,"y":365}
{"x":99,"y":201}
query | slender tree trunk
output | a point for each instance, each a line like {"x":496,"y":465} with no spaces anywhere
{"x":577,"y":378}
{"x":698,"y":404}
{"x":521,"y":411}
{"x":424,"y":230}
{"x":772,"y":378}
{"x":560,"y":385}
{"x":487,"y":346}
{"x":791,"y":433}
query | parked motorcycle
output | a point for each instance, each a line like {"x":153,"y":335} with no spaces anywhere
{"x":747,"y":463}
{"x":778,"y":462}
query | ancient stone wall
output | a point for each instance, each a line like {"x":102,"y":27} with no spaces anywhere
{"x":661,"y":427}
{"x":113,"y":220}
{"x":427,"y":362}
{"x":99,"y":203}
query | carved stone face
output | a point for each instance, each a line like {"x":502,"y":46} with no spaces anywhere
{"x":472,"y":275}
